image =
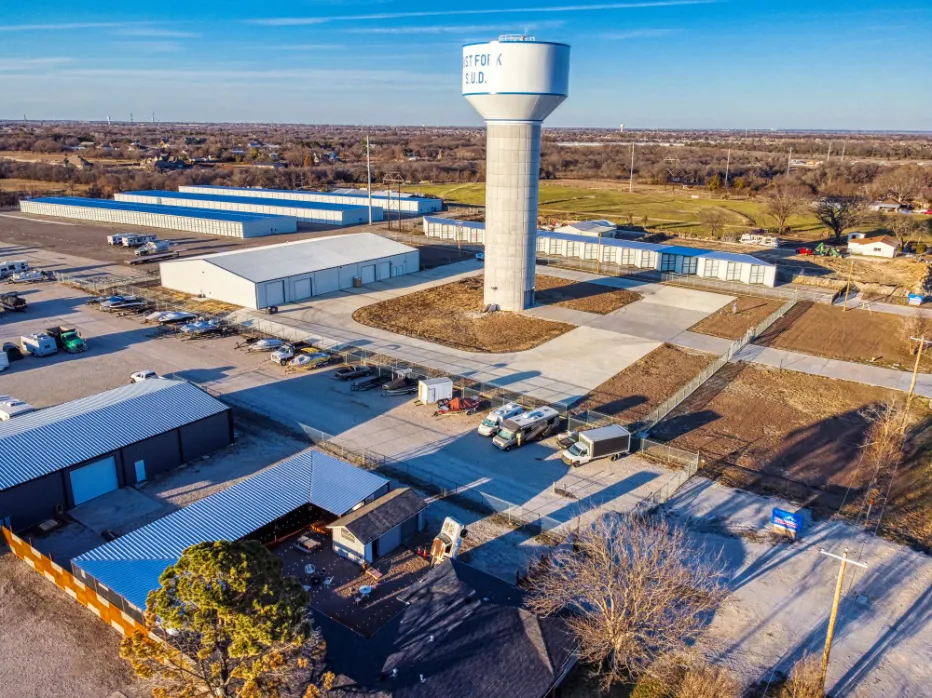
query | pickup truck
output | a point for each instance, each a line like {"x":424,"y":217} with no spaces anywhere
{"x":67,"y":339}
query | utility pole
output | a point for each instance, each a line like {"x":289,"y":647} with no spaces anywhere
{"x":830,"y":633}
{"x":727,"y":167}
{"x":912,"y":384}
{"x":844,"y":147}
{"x":369,"y":178}
{"x":631,"y":178}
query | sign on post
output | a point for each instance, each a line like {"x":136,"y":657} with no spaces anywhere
{"x":786,"y":522}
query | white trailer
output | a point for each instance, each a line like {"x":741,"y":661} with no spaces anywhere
{"x":430,"y":391}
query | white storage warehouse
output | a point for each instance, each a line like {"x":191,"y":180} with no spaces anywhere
{"x":227,"y":223}
{"x":409,"y":204}
{"x":691,"y":261}
{"x":274,"y":275}
{"x":303,"y":211}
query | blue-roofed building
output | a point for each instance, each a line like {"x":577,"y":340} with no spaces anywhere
{"x":317,"y":212}
{"x":303,"y":488}
{"x":389,"y":201}
{"x":57,"y":458}
{"x":673,"y":259}
{"x":207,"y":222}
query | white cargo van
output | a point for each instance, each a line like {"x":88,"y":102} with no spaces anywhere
{"x":530,"y":426}
{"x":493,"y":420}
{"x":39,"y":344}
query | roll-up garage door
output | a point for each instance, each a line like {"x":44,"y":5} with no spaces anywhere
{"x":302,"y":289}
{"x":275,"y":293}
{"x":368,"y":274}
{"x":93,"y":480}
{"x":385,"y":270}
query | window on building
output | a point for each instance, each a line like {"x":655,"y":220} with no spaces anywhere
{"x":732,"y":272}
{"x":757,"y":275}
{"x":668,"y":262}
{"x":649,"y":260}
{"x":590,"y":251}
{"x":710,"y":268}
{"x":627,"y":256}
{"x":572,"y":249}
{"x":690,"y":264}
{"x":554,"y":246}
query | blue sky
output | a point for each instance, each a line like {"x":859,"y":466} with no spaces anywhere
{"x":676,"y":63}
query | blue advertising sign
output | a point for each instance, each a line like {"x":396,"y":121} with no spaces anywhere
{"x":787,"y":522}
{"x":915,"y":299}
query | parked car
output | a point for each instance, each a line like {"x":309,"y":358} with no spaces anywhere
{"x":345,"y":373}
{"x":144,"y":375}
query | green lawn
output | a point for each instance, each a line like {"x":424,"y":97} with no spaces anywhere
{"x":670,"y":211}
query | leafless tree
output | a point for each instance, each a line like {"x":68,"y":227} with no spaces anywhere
{"x":838,"y":213}
{"x":783,"y":200}
{"x":708,"y":681}
{"x":905,"y":228}
{"x":903,"y":184}
{"x":713,"y":219}
{"x":804,"y":681}
{"x":885,"y":439}
{"x":635,"y":591}
{"x":913,"y":328}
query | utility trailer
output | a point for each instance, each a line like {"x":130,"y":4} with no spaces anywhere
{"x":154,"y":257}
{"x":612,"y":441}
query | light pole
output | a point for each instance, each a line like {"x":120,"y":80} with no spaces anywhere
{"x":830,"y":633}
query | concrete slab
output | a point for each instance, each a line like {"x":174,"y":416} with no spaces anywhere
{"x":119,"y":511}
{"x":701,"y":342}
{"x":557,"y":313}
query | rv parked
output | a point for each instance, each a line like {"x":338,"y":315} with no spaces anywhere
{"x":116,"y":239}
{"x":493,"y":420}
{"x":530,"y":426}
{"x":134,"y":240}
{"x":612,"y":442}
{"x":8,"y":268}
{"x":39,"y":344}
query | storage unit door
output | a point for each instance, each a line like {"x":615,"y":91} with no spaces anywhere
{"x":385,"y":270}
{"x":409,"y":528}
{"x":93,"y":480}
{"x":275,"y":293}
{"x":368,"y":274}
{"x":302,"y":289}
{"x":389,"y":541}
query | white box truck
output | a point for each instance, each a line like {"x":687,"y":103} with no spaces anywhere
{"x":39,"y":344}
{"x":530,"y":426}
{"x":430,"y":391}
{"x":493,"y":420}
{"x":612,"y":442}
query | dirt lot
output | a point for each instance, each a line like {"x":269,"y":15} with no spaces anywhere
{"x":633,"y":393}
{"x":451,"y":315}
{"x":53,"y":647}
{"x":783,"y":432}
{"x":728,"y":324}
{"x":856,"y":335}
{"x":903,"y":272}
{"x":590,"y":298}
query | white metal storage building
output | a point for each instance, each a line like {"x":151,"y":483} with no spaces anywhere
{"x":274,"y":275}
{"x":409,"y":204}
{"x":207,"y":222}
{"x":690,"y":261}
{"x":303,"y":211}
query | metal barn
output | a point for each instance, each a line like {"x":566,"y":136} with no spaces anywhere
{"x":225,"y":223}
{"x":59,"y":457}
{"x":411,"y":205}
{"x":304,"y":211}
{"x":291,"y":272}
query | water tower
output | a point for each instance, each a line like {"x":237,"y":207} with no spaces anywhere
{"x":514,"y":83}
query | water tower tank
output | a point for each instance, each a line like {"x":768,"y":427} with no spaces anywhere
{"x":514,"y":83}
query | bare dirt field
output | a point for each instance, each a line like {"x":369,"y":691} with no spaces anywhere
{"x":728,"y":324}
{"x":52,"y":646}
{"x":778,"y":432}
{"x":855,"y":335}
{"x":633,"y":393}
{"x":451,"y":315}
{"x":903,"y":272}
{"x":587,"y":297}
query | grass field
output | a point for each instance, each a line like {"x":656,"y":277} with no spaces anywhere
{"x":36,"y":185}
{"x":675,"y":211}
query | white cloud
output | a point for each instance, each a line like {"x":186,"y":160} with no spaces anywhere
{"x":149,"y":46}
{"x":639,"y":34}
{"x":304,"y":47}
{"x":299,"y":21}
{"x":9,"y":65}
{"x":448,"y":29}
{"x":63,"y":26}
{"x":157,"y":33}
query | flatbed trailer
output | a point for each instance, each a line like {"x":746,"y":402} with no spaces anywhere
{"x":157,"y":257}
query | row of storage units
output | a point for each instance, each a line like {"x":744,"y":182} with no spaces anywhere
{"x":409,"y":205}
{"x":303,"y":211}
{"x":690,"y":261}
{"x":206,"y":222}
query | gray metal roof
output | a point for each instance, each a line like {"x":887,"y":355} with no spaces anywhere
{"x":131,"y":565}
{"x":180,"y":211}
{"x":258,"y":264}
{"x":41,"y":442}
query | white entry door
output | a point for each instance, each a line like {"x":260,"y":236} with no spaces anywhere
{"x":93,"y":480}
{"x":368,"y":274}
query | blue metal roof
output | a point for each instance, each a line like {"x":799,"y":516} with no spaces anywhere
{"x":132,"y":564}
{"x":308,"y":192}
{"x":42,"y":442}
{"x":618,"y":242}
{"x":255,"y":201}
{"x":181,"y":211}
